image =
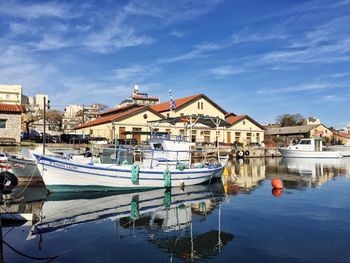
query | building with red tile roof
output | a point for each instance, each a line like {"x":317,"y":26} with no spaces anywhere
{"x":10,"y":123}
{"x":134,"y":117}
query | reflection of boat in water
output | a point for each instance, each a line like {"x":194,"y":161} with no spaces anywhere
{"x":308,"y":148}
{"x":316,"y":167}
{"x":63,"y":210}
{"x":306,"y":172}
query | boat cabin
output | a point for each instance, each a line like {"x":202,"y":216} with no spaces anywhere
{"x":311,"y":144}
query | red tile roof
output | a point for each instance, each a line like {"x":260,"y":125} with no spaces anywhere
{"x":11,"y":108}
{"x":235,"y":119}
{"x":165,"y":106}
{"x":117,"y":110}
{"x":117,"y":116}
{"x":107,"y":119}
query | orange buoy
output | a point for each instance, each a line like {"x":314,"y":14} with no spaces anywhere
{"x":277,"y":192}
{"x":277,"y":183}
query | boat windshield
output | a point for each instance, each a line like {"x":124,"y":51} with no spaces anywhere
{"x":305,"y":142}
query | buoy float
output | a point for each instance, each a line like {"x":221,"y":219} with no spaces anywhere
{"x":225,"y":172}
{"x":277,"y":192}
{"x":277,"y":183}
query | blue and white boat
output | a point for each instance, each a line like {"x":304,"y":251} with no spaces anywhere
{"x":159,"y":167}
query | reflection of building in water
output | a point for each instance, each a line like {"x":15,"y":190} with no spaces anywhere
{"x":305,"y":172}
{"x":244,"y":175}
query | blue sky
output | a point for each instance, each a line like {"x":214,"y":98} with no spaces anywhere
{"x":261,"y":58}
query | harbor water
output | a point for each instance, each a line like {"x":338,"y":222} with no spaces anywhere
{"x":241,"y":219}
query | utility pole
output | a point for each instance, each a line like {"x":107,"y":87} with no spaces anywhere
{"x":46,"y":105}
{"x":44,"y":135}
{"x":83,"y":113}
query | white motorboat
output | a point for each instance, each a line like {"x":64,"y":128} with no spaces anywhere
{"x":343,"y":149}
{"x":61,"y":175}
{"x":308,"y":148}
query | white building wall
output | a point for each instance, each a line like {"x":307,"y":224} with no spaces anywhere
{"x":11,"y":94}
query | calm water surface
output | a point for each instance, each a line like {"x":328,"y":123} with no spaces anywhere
{"x":241,"y":220}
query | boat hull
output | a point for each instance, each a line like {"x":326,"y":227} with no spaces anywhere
{"x":343,"y":149}
{"x":25,"y":170}
{"x":63,"y":176}
{"x":291,"y":153}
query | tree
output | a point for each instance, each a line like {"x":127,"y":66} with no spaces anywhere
{"x":31,"y":116}
{"x":54,"y":117}
{"x":290,"y":120}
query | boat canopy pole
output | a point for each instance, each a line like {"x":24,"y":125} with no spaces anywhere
{"x":217,"y":124}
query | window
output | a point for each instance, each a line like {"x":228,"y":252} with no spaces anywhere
{"x":158,"y":146}
{"x":2,"y":124}
{"x":202,"y":105}
{"x":249,"y":137}
{"x":243,"y":122}
{"x":7,"y":96}
{"x":305,"y":142}
{"x":237,"y":136}
{"x":182,"y":114}
{"x":199,"y":105}
{"x":167,"y":115}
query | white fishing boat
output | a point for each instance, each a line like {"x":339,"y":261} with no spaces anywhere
{"x":343,"y":149}
{"x":69,"y":176}
{"x":308,"y":148}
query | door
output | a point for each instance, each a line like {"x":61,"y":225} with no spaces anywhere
{"x":228,"y":137}
{"x":122,"y":133}
{"x":137,"y":136}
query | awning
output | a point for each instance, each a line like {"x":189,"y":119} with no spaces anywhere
{"x":210,"y":121}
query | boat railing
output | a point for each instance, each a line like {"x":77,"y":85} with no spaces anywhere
{"x":170,"y":156}
{"x":170,"y":137}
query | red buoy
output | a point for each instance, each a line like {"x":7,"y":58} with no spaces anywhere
{"x":277,"y":192}
{"x":277,"y":183}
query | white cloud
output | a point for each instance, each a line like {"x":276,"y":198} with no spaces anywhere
{"x":33,"y":11}
{"x":177,"y":33}
{"x":115,"y":35}
{"x":198,"y":51}
{"x":304,"y":87}
{"x":171,"y":11}
{"x":225,"y":71}
{"x":134,"y":73}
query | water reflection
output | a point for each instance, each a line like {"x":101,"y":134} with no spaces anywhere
{"x":167,"y":216}
{"x":194,"y":223}
{"x":246,"y":175}
{"x":306,"y":172}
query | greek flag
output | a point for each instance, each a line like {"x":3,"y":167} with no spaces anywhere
{"x":172,"y":103}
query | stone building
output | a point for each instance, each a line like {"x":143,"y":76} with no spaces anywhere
{"x":10,"y":123}
{"x":290,"y":134}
